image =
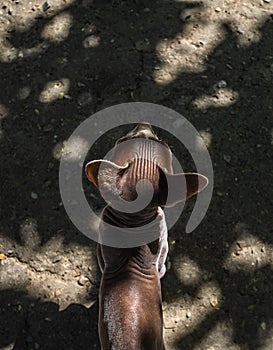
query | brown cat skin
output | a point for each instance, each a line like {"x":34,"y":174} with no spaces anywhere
{"x":130,"y":304}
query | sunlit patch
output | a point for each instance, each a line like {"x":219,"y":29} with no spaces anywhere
{"x":74,"y":149}
{"x":91,"y":41}
{"x":187,"y":271}
{"x":180,"y":55}
{"x":211,"y":295}
{"x":24,"y":15}
{"x":55,"y":90}
{"x":58,"y":150}
{"x":203,"y":30}
{"x":8,"y":53}
{"x":248,"y":253}
{"x":175,"y":60}
{"x":219,"y":337}
{"x":40,"y":277}
{"x":58,"y":28}
{"x":205,"y":139}
{"x":222,"y":98}
{"x":248,"y":18}
{"x":186,"y":314}
{"x":265,"y":335}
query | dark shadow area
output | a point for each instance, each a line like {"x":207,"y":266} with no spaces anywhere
{"x":29,"y":323}
{"x":120,"y":69}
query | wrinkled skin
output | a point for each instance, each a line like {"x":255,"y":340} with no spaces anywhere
{"x":130,"y":315}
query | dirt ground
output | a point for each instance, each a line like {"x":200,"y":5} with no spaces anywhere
{"x":211,"y":61}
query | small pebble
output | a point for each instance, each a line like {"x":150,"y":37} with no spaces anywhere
{"x":200,"y":43}
{"x":214,"y":302}
{"x":222,"y":84}
{"x":263,"y":326}
{"x":218,"y":9}
{"x":142,"y":45}
{"x":34,"y":195}
{"x":267,"y":1}
{"x":47,"y":128}
{"x":12,"y":56}
{"x":227,"y":158}
{"x":91,"y":41}
{"x":45,"y":6}
{"x":188,"y":314}
{"x":82,"y":280}
{"x":58,"y":84}
{"x":23,"y":93}
{"x":240,"y":31}
{"x":169,"y":325}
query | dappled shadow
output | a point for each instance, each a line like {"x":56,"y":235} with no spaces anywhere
{"x":98,"y":76}
{"x":241,"y":149}
{"x":118,"y":66}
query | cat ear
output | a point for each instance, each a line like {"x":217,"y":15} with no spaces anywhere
{"x":92,"y":171}
{"x":176,"y":188}
{"x":104,"y":174}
